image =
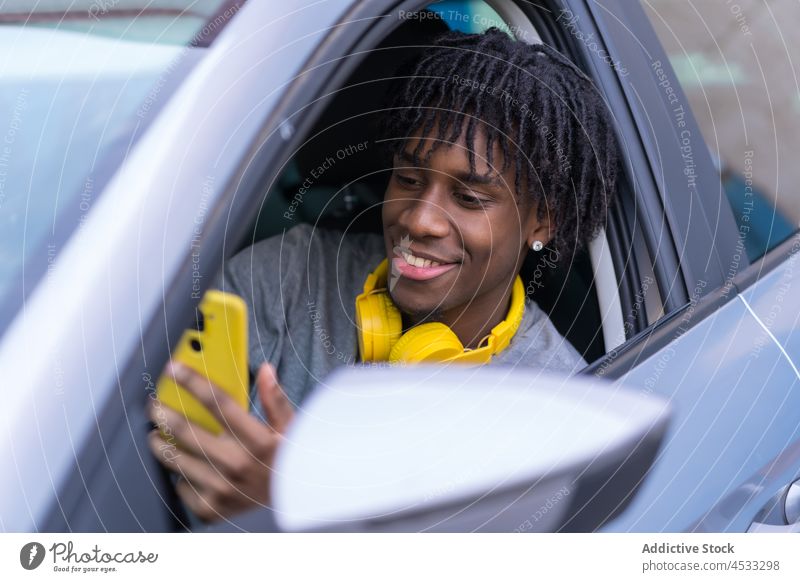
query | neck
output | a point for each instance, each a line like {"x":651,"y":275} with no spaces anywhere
{"x":472,"y":322}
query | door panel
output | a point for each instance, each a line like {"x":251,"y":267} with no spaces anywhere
{"x":775,"y":299}
{"x":734,"y":441}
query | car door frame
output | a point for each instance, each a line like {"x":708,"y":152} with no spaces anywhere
{"x":660,"y":205}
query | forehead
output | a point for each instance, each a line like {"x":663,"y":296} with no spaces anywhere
{"x":454,"y":156}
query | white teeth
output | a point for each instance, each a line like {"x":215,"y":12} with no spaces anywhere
{"x":419,"y":261}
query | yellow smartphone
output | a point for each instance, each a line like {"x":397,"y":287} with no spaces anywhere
{"x":217,"y":349}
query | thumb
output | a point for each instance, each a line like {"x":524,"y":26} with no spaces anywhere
{"x":273,"y":399}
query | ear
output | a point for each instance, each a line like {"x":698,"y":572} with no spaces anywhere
{"x":541,"y":230}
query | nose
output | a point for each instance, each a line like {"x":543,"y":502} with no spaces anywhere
{"x":425,"y":216}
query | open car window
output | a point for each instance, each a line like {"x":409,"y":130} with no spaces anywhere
{"x":348,"y":194}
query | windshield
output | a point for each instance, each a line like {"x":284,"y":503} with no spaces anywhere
{"x":79,"y":82}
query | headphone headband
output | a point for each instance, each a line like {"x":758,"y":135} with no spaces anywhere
{"x":380,"y":329}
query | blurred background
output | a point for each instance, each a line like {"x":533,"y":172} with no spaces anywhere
{"x":734,"y":61}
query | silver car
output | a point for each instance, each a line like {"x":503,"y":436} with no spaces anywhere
{"x":141,"y":143}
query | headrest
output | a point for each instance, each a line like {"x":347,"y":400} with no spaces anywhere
{"x":345,"y":123}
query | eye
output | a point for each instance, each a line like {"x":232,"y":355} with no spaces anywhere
{"x":468,"y":200}
{"x":408,"y":181}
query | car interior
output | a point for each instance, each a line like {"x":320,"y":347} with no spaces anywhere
{"x":348,"y":195}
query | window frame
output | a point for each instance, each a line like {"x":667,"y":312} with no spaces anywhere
{"x":650,"y":143}
{"x":618,"y":232}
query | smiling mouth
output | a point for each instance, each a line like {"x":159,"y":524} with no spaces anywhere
{"x":416,"y":261}
{"x":418,"y":268}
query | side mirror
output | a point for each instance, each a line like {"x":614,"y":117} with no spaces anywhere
{"x":433,"y":448}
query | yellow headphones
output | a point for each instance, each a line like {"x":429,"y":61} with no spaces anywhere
{"x":380,"y":327}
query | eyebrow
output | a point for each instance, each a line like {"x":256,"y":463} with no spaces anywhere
{"x":465,"y":177}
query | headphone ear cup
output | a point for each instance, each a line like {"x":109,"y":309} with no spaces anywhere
{"x":380,"y":325}
{"x":429,"y":342}
{"x":391,"y":325}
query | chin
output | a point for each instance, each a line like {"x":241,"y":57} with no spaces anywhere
{"x":417,"y":310}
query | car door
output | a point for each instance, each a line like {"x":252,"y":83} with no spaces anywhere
{"x":121,"y":288}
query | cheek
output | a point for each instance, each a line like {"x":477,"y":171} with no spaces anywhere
{"x":490,"y":237}
{"x":394,"y":200}
{"x":389,"y":208}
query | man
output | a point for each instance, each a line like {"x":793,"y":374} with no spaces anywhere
{"x":497,"y":149}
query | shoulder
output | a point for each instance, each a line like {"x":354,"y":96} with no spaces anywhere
{"x":538,"y":343}
{"x":301,"y":250}
{"x":309,"y":244}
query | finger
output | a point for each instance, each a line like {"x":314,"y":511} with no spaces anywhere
{"x":201,"y":474}
{"x":224,"y":453}
{"x":164,"y":452}
{"x":165,"y":418}
{"x":209,"y":498}
{"x":196,"y":503}
{"x":177,"y":430}
{"x":210,"y":506}
{"x":233,"y":418}
{"x":277,"y":406}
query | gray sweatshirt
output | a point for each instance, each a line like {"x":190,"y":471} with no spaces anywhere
{"x":301,"y":287}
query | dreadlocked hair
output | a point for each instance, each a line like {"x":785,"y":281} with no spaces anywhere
{"x":545,"y":114}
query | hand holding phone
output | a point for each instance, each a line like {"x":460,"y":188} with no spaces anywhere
{"x":228,"y":471}
{"x":217,"y":349}
{"x":232,"y":472}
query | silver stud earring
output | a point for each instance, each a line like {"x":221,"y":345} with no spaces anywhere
{"x":537,"y":245}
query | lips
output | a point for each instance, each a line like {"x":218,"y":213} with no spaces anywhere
{"x":419,"y":261}
{"x":420,"y":267}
